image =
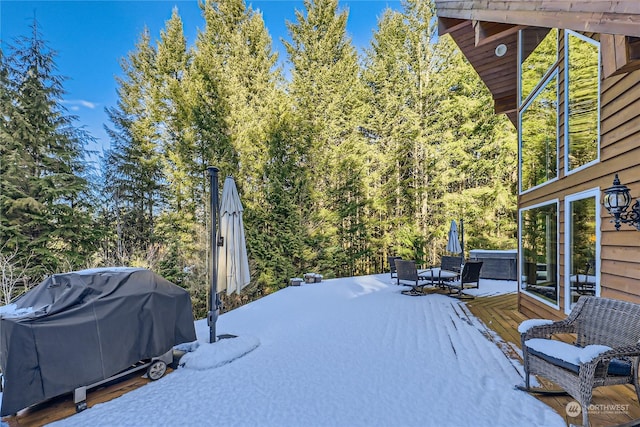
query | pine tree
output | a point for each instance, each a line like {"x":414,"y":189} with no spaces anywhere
{"x":237,"y":44}
{"x":237,"y":50}
{"x":476,"y":166}
{"x":44,"y":214}
{"x":135,"y":181}
{"x":277,"y":231}
{"x":398,"y":69}
{"x":327,"y":97}
{"x":437,"y":141}
{"x":181,"y":166}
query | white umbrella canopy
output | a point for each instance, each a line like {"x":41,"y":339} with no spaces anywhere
{"x":453,"y":245}
{"x":233,"y":263}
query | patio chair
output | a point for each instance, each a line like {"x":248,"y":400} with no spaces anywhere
{"x":451,"y":263}
{"x":392,"y":266}
{"x":585,"y":284}
{"x":408,"y":272}
{"x":469,"y":278}
{"x":449,"y":269}
{"x":605,"y":349}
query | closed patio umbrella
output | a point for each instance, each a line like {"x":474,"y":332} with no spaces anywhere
{"x":453,"y":245}
{"x":233,"y":263}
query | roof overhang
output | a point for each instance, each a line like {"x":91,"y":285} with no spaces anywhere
{"x":479,"y":26}
{"x":594,"y":16}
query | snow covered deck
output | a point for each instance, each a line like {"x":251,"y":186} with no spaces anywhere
{"x":355,"y":352}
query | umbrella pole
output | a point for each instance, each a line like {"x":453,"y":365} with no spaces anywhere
{"x":214,"y":307}
{"x":462,"y":237}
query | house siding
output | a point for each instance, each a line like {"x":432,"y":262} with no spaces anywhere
{"x":619,"y":153}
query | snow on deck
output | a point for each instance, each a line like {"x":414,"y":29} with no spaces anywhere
{"x":344,"y":352}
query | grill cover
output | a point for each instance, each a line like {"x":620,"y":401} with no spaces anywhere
{"x":75,"y":329}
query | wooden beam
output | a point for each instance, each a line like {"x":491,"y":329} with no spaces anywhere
{"x":449,"y":25}
{"x":489,"y":32}
{"x":620,"y":54}
{"x":606,"y":17}
{"x":505,"y":104}
{"x":580,"y":6}
{"x":608,"y":55}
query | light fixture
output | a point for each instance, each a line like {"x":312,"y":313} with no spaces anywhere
{"x":617,"y":199}
{"x":501,"y":49}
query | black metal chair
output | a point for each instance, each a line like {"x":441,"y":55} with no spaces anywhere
{"x":392,"y":266}
{"x":469,"y":277}
{"x":448,"y":265}
{"x":451,"y":263}
{"x":408,"y":272}
{"x":586,"y":284}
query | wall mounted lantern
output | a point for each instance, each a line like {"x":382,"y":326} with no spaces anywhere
{"x":617,"y":199}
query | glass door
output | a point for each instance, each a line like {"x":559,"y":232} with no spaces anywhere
{"x":582,"y":246}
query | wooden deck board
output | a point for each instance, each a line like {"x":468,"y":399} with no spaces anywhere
{"x":500,"y":313}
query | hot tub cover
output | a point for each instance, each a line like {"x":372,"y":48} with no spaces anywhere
{"x":76,"y":329}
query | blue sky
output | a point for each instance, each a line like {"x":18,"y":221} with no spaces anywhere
{"x":90,"y":37}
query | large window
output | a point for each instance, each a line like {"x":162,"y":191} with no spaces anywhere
{"x":538,"y":112}
{"x":582,"y":63}
{"x":539,"y":137}
{"x":581,"y":246}
{"x":539,"y":252}
{"x":558,"y":88}
{"x":538,"y":54}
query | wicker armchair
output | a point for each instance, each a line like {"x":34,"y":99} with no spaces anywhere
{"x":595,"y":322}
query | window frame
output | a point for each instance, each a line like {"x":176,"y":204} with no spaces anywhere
{"x":554,"y":66}
{"x":586,"y":194}
{"x":566,"y":102}
{"x":555,"y":202}
{"x":523,"y":104}
{"x":553,"y":73}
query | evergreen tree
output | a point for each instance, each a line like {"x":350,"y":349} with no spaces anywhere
{"x":327,"y":95}
{"x":44,"y":214}
{"x":238,"y":41}
{"x":476,"y":170}
{"x":398,"y":70}
{"x":277,"y":231}
{"x":182,"y":166}
{"x":437,"y":141}
{"x":135,"y":181}
{"x":237,"y":49}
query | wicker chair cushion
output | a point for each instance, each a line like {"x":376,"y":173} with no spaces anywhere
{"x":617,"y":367}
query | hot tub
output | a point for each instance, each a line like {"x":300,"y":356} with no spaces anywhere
{"x":499,"y":265}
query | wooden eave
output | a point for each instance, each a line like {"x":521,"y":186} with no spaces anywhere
{"x":479,"y":26}
{"x":478,"y":44}
{"x":594,"y":16}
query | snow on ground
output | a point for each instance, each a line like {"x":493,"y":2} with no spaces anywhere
{"x":344,"y":352}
